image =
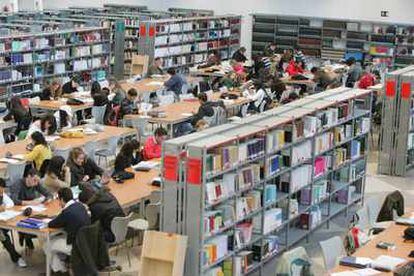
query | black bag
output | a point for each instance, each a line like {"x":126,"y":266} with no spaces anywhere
{"x":74,"y":102}
{"x":122,"y":176}
{"x":409,"y":233}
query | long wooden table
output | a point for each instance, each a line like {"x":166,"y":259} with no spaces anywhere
{"x":179,"y":112}
{"x":55,"y":105}
{"x":393,"y":234}
{"x":19,"y":147}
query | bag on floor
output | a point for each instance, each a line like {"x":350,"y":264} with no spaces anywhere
{"x":355,"y":239}
{"x":300,"y":267}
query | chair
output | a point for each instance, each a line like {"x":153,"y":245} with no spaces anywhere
{"x":62,"y":152}
{"x":138,"y":225}
{"x":374,"y":205}
{"x":287,"y":260}
{"x":332,"y":250}
{"x":243,"y":110}
{"x":15,"y":172}
{"x":220,"y":115}
{"x":119,"y":227}
{"x":110,"y":151}
{"x":185,"y":88}
{"x":90,"y":149}
{"x":140,"y":124}
{"x":98,"y":112}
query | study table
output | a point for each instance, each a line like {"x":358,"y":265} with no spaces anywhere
{"x":393,"y":234}
{"x":182,"y":111}
{"x":55,"y":105}
{"x":19,"y":147}
{"x":131,"y":192}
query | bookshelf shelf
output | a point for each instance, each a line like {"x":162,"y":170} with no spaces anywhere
{"x":273,"y":187}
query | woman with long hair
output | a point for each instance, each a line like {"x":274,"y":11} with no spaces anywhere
{"x":82,"y":168}
{"x":57,"y":174}
{"x":40,"y":152}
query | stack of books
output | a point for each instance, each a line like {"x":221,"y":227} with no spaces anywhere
{"x":31,"y":223}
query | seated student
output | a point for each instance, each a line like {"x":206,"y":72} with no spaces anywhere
{"x":64,"y":117}
{"x":40,"y":152}
{"x":46,"y":125}
{"x":18,"y":113}
{"x":212,"y":60}
{"x":82,"y":168}
{"x":295,"y":68}
{"x":175,"y":82}
{"x":100,"y":98}
{"x":286,"y":57}
{"x":119,"y":93}
{"x":354,"y":72}
{"x":230,"y":81}
{"x":129,"y":105}
{"x":71,"y":86}
{"x":152,"y":146}
{"x":57,"y":174}
{"x":137,"y":155}
{"x":7,"y":202}
{"x":325,"y":79}
{"x":51,"y":92}
{"x":239,"y":55}
{"x":126,"y":156}
{"x":277,"y":87}
{"x":270,"y":50}
{"x":256,"y":94}
{"x":206,"y":108}
{"x":73,"y":217}
{"x":104,"y":207}
{"x":28,"y":191}
{"x":366,"y":80}
{"x":155,"y":68}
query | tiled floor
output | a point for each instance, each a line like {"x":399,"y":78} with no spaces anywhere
{"x":375,"y":185}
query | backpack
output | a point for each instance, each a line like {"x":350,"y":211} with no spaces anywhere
{"x":300,"y":267}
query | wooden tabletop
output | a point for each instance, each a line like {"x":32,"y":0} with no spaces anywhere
{"x":182,"y":111}
{"x":213,"y":71}
{"x":55,"y":105}
{"x":392,"y":234}
{"x":289,"y":80}
{"x":143,"y":86}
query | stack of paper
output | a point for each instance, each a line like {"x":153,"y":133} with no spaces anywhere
{"x":8,"y":214}
{"x":388,"y":263}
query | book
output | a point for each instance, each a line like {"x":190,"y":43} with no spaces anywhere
{"x":387,"y":263}
{"x":358,"y":262}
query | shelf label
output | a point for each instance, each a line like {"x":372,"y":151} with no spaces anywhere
{"x":390,"y":88}
{"x":405,"y":90}
{"x":194,"y":171}
{"x":170,"y":167}
{"x":151,"y":31}
{"x":142,"y":30}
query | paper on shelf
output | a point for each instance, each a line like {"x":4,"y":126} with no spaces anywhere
{"x":8,"y":214}
{"x":35,"y":208}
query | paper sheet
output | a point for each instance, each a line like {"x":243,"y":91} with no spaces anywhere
{"x":52,"y":138}
{"x":35,"y":208}
{"x":8,"y":214}
{"x":146,"y":164}
{"x":187,"y":114}
{"x":159,"y":83}
{"x":358,"y":272}
{"x":9,"y":160}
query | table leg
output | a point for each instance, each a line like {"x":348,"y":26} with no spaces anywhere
{"x":142,"y":207}
{"x":171,"y":130}
{"x":48,"y":255}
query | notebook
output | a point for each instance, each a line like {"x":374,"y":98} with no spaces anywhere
{"x":359,"y":262}
{"x":387,"y":263}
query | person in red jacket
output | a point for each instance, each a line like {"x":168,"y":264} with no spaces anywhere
{"x":152,"y":146}
{"x":295,"y":68}
{"x":366,"y":80}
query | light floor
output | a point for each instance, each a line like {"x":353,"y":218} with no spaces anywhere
{"x":375,"y":185}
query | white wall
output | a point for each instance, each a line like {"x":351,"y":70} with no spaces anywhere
{"x":399,"y":10}
{"x":60,"y":4}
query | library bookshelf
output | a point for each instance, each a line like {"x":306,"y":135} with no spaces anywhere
{"x":245,"y":192}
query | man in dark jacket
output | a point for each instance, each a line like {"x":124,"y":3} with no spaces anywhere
{"x":72,"y":217}
{"x":71,"y":86}
{"x":103,"y":207}
{"x":175,"y":83}
{"x":206,"y":108}
{"x":128,"y":105}
{"x":239,"y":55}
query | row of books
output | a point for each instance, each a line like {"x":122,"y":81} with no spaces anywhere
{"x":355,"y":148}
{"x":324,"y":142}
{"x":341,"y":156}
{"x":345,"y":195}
{"x":301,"y":152}
{"x":248,"y":203}
{"x":342,"y":133}
{"x":273,"y":218}
{"x":14,"y":75}
{"x":215,"y":249}
{"x":26,"y":58}
{"x":298,"y":178}
{"x":293,"y":204}
{"x":243,"y":234}
{"x":322,"y":164}
{"x":275,"y":140}
{"x":274,"y":164}
{"x":271,"y":245}
{"x":179,"y":38}
{"x":362,"y":126}
{"x":311,"y":219}
{"x":318,"y":192}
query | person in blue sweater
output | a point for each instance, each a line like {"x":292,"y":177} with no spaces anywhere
{"x":175,"y":82}
{"x":73,"y":217}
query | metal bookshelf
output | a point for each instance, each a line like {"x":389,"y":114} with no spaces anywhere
{"x":186,"y":178}
{"x":391,"y":43}
{"x":28,"y":60}
{"x":183,"y":43}
{"x":396,"y":150}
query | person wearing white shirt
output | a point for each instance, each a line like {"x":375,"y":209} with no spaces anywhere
{"x":64,"y":117}
{"x":5,"y":203}
{"x":46,"y":125}
{"x":256,"y":94}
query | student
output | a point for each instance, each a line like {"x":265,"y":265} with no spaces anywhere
{"x":46,"y":125}
{"x":129,"y":105}
{"x":325,"y":79}
{"x":19,"y":113}
{"x":230,"y":81}
{"x":277,"y":87}
{"x":82,"y":168}
{"x":64,"y":117}
{"x":354,"y":72}
{"x":40,"y":152}
{"x":270,"y":50}
{"x":104,"y":207}
{"x":366,"y":80}
{"x":57,"y":174}
{"x":175,"y":82}
{"x":7,"y":202}
{"x":118,"y":92}
{"x":73,"y":217}
{"x":126,"y":156}
{"x":152,"y":146}
{"x":100,"y":98}
{"x":256,"y":94}
{"x":51,"y":92}
{"x":239,"y":55}
{"x":295,"y":68}
{"x":206,"y":108}
{"x":71,"y":86}
{"x":28,"y":191}
{"x":155,"y":68}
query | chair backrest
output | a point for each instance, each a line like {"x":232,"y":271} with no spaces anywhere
{"x":140,"y":124}
{"x":119,"y":227}
{"x":284,"y":265}
{"x":185,"y":88}
{"x":363,"y":218}
{"x":220,"y":115}
{"x":244,"y":109}
{"x":113,"y":144}
{"x":15,"y":171}
{"x":98,"y":112}
{"x":262,"y":106}
{"x":90,"y":149}
{"x":332,"y":250}
{"x":166,"y":99}
{"x":152,"y":214}
{"x":62,"y":152}
{"x":374,"y":205}
{"x":155,"y":197}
